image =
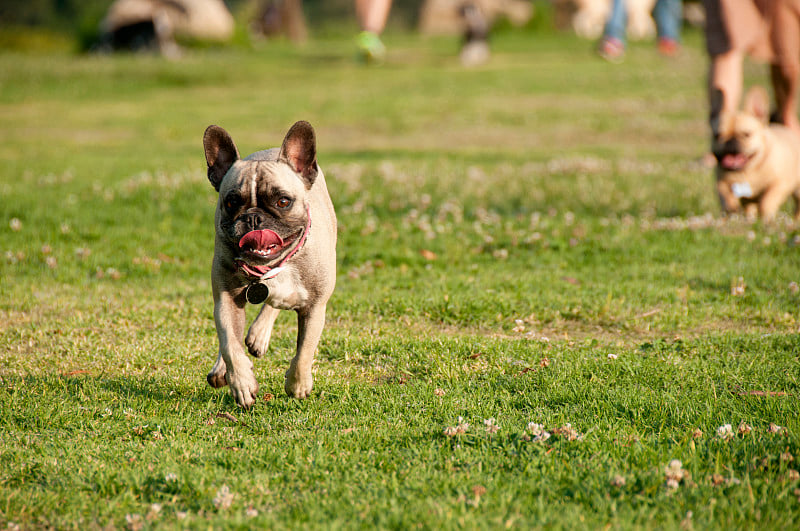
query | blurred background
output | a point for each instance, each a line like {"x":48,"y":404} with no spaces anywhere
{"x":77,"y":24}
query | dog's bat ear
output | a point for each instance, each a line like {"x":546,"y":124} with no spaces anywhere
{"x":756,"y":102}
{"x":299,"y":150}
{"x":221,"y":153}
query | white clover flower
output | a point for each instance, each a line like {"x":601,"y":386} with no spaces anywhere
{"x":538,"y":432}
{"x":725,"y":432}
{"x":535,"y":428}
{"x":674,"y":473}
{"x":618,"y":481}
{"x":491,"y":425}
{"x":774,"y":428}
{"x":224,"y":498}
{"x":738,"y":287}
{"x":134,"y":521}
{"x":568,"y":432}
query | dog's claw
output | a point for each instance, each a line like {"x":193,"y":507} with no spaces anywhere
{"x":255,"y":350}
{"x":243,"y":388}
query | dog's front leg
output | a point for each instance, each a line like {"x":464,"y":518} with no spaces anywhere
{"x":310,"y":322}
{"x":229,"y":316}
{"x":771,"y":201}
{"x":260,"y":332}
{"x":728,"y":201}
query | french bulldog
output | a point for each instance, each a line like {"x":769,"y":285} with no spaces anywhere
{"x":758,"y":163}
{"x":275,"y":244}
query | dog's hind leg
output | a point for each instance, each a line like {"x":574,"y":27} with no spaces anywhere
{"x":298,"y":381}
{"x":260,"y":332}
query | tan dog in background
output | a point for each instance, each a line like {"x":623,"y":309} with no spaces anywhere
{"x":758,"y":164}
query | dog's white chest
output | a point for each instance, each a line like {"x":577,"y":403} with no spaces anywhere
{"x":286,"y":292}
{"x":742,"y":189}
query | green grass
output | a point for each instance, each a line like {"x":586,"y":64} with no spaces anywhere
{"x":535,"y":240}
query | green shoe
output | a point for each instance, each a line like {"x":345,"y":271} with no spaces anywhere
{"x":370,"y":47}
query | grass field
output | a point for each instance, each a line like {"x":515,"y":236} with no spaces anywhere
{"x":533,"y":242}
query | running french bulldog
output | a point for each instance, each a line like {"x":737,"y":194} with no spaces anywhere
{"x":758,"y":164}
{"x":275,"y":244}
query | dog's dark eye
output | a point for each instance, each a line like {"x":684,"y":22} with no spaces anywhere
{"x":233,"y":201}
{"x":283,"y":202}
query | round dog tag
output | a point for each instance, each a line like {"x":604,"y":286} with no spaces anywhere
{"x":256,"y":293}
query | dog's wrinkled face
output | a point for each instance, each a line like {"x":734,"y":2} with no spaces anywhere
{"x":738,"y":137}
{"x":739,"y":141}
{"x":262,"y":212}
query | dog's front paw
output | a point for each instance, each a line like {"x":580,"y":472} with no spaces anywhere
{"x":298,"y":385}
{"x":244,"y":388}
{"x":256,"y":345}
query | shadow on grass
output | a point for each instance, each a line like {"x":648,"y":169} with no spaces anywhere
{"x":86,"y":388}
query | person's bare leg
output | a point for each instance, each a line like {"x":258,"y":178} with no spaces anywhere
{"x":786,"y":68}
{"x":725,"y":74}
{"x":372,"y":14}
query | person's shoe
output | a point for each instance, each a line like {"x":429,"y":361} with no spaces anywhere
{"x":668,"y":47}
{"x":370,"y":47}
{"x":611,"y":49}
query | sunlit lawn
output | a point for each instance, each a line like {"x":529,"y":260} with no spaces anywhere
{"x":532,"y":242}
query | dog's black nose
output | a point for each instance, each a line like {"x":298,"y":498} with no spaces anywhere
{"x":252,"y":220}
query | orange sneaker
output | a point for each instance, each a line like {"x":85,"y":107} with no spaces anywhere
{"x":668,"y":47}
{"x":611,"y":49}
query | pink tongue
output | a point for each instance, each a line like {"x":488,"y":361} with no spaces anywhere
{"x":733,"y":161}
{"x":260,"y":240}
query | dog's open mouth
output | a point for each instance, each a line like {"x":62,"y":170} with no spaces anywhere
{"x":262,"y":243}
{"x":265,"y":244}
{"x":263,"y":247}
{"x":733,"y":161}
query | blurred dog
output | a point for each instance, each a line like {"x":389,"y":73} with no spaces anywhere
{"x":758,"y":164}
